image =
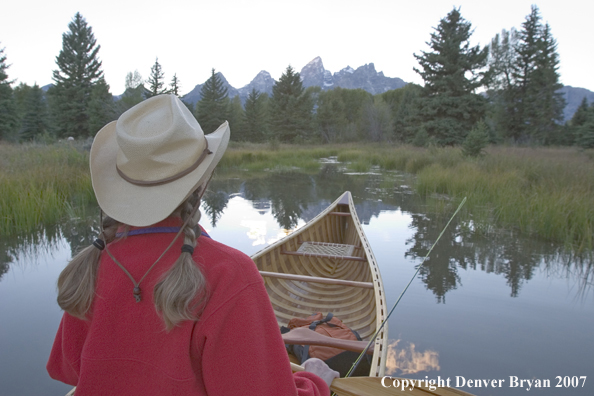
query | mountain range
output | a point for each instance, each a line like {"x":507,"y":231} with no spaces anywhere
{"x":313,"y":74}
{"x":364,"y":77}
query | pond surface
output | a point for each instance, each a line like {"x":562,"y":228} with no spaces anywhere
{"x":485,"y":305}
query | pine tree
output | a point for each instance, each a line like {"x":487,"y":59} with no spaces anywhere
{"x":9,"y":119}
{"x":291,"y":109}
{"x":581,"y":114}
{"x":585,"y":132}
{"x":449,"y":106}
{"x":548,"y":101}
{"x":213,"y":108}
{"x":255,"y":123}
{"x":476,"y":141}
{"x":236,"y":118}
{"x":404,"y":119}
{"x":35,"y":119}
{"x":330,"y":115}
{"x":526,"y":51}
{"x":502,"y":90}
{"x":156,"y":80}
{"x":536,"y":77}
{"x":101,"y":107}
{"x":79,"y":70}
{"x":174,"y":86}
{"x":524,"y":92}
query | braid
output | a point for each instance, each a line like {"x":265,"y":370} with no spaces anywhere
{"x":182,"y":293}
{"x":76,"y":283}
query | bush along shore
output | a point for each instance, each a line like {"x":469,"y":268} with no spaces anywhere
{"x":544,"y":192}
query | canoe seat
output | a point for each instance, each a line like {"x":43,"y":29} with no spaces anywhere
{"x":338,"y":250}
{"x":326,"y":250}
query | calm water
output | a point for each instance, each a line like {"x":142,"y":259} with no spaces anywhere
{"x":487,"y":305}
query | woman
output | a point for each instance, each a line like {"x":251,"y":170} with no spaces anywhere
{"x":152,"y":307}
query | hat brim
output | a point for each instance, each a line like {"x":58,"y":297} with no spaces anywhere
{"x":139,"y":205}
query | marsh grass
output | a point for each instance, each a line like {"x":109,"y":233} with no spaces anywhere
{"x":39,"y":184}
{"x":545,"y":192}
{"x":260,"y":157}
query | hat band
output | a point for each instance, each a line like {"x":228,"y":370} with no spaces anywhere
{"x":150,"y":183}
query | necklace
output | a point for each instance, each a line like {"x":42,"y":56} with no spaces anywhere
{"x":137,"y":292}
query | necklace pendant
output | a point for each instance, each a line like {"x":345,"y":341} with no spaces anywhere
{"x":137,"y":294}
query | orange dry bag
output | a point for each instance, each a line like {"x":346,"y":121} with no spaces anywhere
{"x":337,"y":359}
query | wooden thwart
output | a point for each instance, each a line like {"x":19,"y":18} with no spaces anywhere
{"x":303,"y":336}
{"x":316,"y":279}
{"x":340,"y":214}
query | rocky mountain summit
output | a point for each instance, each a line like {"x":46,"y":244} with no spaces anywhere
{"x":364,"y":77}
{"x":313,"y":74}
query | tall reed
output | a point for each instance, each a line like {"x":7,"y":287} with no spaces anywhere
{"x":544,"y":192}
{"x":38,"y":184}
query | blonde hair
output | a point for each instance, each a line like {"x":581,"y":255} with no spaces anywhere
{"x":181,"y":294}
{"x":183,"y":291}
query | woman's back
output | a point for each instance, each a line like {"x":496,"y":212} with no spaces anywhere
{"x":159,"y":311}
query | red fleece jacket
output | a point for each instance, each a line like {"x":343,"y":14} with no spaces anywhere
{"x":234,"y":349}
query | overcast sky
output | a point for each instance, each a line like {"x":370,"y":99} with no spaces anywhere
{"x":239,"y":38}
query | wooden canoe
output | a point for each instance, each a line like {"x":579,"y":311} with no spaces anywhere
{"x":328,"y":266}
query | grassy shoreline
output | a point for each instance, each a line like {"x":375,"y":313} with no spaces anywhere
{"x":544,"y":192}
{"x":39,"y":184}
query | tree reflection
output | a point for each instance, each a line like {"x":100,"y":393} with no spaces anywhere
{"x":440,"y":270}
{"x":287,"y":204}
{"x":214,"y":203}
{"x":81,"y":230}
{"x":4,"y":261}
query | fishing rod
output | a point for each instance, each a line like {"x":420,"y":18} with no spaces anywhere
{"x":372,"y":340}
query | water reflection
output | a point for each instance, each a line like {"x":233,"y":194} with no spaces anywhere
{"x":407,"y":360}
{"x":292,"y":197}
{"x":78,"y":230}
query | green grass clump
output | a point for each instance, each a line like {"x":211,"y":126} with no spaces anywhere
{"x":350,"y":155}
{"x":548,"y":193}
{"x":260,"y":157}
{"x":39,"y":183}
{"x":360,"y":166}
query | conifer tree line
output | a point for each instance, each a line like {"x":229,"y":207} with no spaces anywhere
{"x":506,"y":92}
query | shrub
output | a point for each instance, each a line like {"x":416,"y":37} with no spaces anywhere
{"x":476,"y":140}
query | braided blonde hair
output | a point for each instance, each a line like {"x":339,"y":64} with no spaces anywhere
{"x":183,"y":291}
{"x":76,"y":283}
{"x":181,"y":294}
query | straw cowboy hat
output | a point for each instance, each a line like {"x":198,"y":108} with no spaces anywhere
{"x":151,"y":159}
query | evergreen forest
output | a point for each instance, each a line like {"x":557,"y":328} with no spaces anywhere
{"x":503,"y":93}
